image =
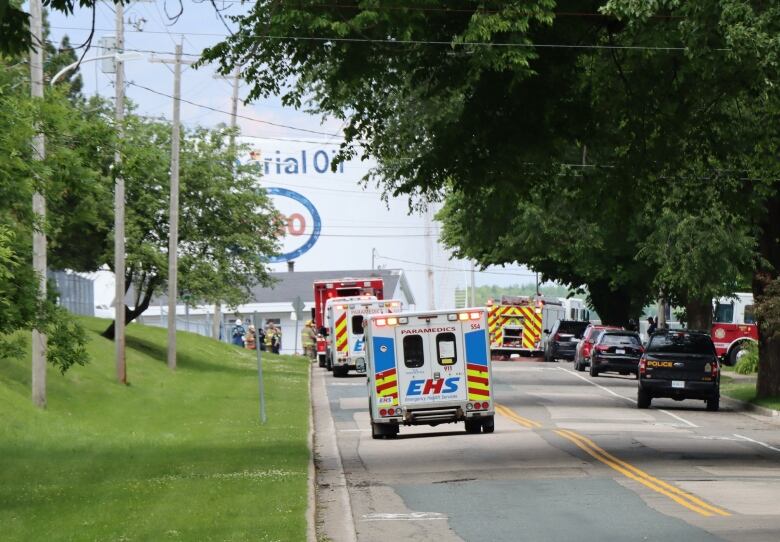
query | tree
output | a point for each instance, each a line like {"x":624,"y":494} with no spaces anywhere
{"x":458,"y":96}
{"x":228,"y":227}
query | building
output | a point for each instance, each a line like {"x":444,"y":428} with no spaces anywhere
{"x":275,"y":304}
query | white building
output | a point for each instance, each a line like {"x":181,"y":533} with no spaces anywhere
{"x":274,"y":304}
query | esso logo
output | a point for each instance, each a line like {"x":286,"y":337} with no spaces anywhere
{"x":720,"y":333}
{"x":302,"y":224}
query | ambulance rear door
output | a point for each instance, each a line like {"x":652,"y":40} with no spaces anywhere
{"x":431,"y":361}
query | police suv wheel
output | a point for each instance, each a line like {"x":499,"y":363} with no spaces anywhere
{"x":643,"y":399}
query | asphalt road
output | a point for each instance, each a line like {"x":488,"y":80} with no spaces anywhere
{"x":572,"y":458}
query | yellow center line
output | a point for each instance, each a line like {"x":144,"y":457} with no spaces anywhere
{"x":643,"y":474}
{"x":677,"y":495}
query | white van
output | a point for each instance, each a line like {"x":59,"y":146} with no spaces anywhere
{"x":428,"y":368}
{"x":345,"y":317}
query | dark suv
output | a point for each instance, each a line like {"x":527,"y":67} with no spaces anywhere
{"x":679,"y":364}
{"x":563,"y":339}
{"x":616,"y":351}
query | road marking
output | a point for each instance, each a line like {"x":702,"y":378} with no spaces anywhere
{"x":764,"y":444}
{"x":411,"y":516}
{"x":679,"y":496}
{"x":525,"y":422}
{"x":347,"y":384}
{"x":628,"y":470}
{"x":673,"y":415}
{"x":353,"y":430}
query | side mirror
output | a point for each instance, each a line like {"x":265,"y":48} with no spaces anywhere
{"x":546,"y":331}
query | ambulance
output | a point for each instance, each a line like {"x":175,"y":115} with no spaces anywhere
{"x":429,"y":368}
{"x":345,"y":316}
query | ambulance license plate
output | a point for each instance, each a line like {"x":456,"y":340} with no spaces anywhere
{"x":678,"y":383}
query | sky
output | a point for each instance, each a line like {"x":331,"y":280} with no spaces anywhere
{"x":354,"y":223}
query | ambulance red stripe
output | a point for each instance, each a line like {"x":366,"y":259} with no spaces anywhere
{"x":386,"y":385}
{"x":477,"y":391}
{"x":478,"y":380}
{"x":475,"y":367}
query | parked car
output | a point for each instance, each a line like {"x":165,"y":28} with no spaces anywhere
{"x":616,"y":351}
{"x":679,"y":364}
{"x":584,"y":347}
{"x":562,"y":339}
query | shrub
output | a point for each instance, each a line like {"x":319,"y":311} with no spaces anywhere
{"x":748,"y":363}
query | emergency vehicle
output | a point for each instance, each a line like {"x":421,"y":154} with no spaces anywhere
{"x":345,"y":317}
{"x":733,"y":326}
{"x":429,"y":368}
{"x":328,"y":289}
{"x":516,"y":323}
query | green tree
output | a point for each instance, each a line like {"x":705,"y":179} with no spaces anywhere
{"x":228,"y":227}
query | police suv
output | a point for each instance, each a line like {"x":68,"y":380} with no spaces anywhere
{"x":428,"y":368}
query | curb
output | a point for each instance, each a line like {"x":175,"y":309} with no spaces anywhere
{"x":311,"y":508}
{"x":750,"y":407}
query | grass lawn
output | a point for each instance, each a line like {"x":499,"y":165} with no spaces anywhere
{"x":173,"y":456}
{"x":746,"y":391}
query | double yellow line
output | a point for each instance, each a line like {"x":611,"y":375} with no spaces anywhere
{"x":691,"y":502}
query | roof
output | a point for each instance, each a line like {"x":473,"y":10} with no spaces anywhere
{"x":290,"y":284}
{"x":299,"y":283}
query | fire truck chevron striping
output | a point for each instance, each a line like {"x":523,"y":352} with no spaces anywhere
{"x":477,"y":374}
{"x":501,"y":315}
{"x":341,"y":333}
{"x":386,"y":375}
{"x":532,"y":328}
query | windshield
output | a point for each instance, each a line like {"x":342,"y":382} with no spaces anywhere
{"x":572,"y":328}
{"x":681,"y":343}
{"x":616,"y":340}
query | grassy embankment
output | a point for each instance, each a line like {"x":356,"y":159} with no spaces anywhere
{"x":744,"y":390}
{"x":173,"y":456}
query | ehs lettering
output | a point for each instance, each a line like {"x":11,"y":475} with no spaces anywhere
{"x":428,"y":386}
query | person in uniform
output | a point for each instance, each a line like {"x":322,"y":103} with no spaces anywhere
{"x":250,"y":339}
{"x":309,"y":340}
{"x":238,"y":333}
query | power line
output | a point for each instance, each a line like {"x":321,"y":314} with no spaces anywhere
{"x":459,"y":270}
{"x":214,"y":109}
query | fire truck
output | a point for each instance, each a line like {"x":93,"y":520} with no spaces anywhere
{"x":344,"y":287}
{"x":515,"y":324}
{"x":344,"y":318}
{"x":733,"y":326}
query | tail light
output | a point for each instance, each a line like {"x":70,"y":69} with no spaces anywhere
{"x":715,"y":368}
{"x":602,"y":347}
{"x":556,"y":337}
{"x":642,"y":365}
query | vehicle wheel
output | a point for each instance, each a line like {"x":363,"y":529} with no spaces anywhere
{"x":321,"y":360}
{"x":643,"y":399}
{"x":473,"y":426}
{"x":713,"y":403}
{"x":735,"y":354}
{"x":376,"y":431}
{"x":488,"y":425}
{"x":593,"y":371}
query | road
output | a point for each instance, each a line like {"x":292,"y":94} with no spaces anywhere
{"x":572,"y":458}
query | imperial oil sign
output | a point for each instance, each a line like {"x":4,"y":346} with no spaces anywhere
{"x":303,"y":224}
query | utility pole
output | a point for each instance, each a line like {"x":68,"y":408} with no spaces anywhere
{"x":233,"y":124}
{"x":173,"y":217}
{"x":173,"y":234}
{"x":429,"y":258}
{"x":39,"y":207}
{"x":119,"y":203}
{"x":373,"y":259}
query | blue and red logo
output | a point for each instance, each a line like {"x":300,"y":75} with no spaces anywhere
{"x":430,"y":386}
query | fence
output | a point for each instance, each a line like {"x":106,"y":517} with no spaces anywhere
{"x":76,"y":293}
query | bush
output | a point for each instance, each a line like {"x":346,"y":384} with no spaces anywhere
{"x":748,"y":363}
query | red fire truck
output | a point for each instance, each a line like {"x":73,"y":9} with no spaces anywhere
{"x":733,"y":326}
{"x":326,"y":289}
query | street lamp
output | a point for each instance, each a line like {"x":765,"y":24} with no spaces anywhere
{"x":115,"y":56}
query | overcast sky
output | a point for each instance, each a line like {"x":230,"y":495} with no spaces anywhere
{"x":150,"y":28}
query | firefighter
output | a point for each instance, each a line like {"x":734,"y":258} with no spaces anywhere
{"x":269,"y":337}
{"x":250,"y":339}
{"x":276,"y":340}
{"x":308,"y":340}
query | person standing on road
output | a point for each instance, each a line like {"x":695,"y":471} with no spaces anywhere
{"x":308,"y":340}
{"x":238,"y":333}
{"x":652,"y":325}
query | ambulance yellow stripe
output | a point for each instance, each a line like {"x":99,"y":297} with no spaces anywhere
{"x":385,"y":380}
{"x":481,"y":374}
{"x":388,"y":391}
{"x":478,"y":386}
